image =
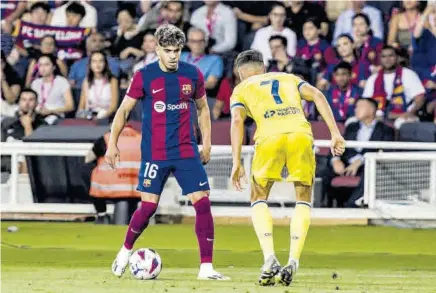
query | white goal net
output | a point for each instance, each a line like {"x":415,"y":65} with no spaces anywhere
{"x":401,"y":184}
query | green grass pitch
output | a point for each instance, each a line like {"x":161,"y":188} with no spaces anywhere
{"x":76,"y":257}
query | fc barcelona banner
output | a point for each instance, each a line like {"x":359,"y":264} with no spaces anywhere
{"x":68,"y":39}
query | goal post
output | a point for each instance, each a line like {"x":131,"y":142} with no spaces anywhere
{"x":405,"y":177}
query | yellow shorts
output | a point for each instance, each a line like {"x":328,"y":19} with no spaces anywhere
{"x":293,"y":150}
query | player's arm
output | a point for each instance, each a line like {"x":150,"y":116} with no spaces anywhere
{"x":237,"y":132}
{"x":205,"y":127}
{"x":134,"y":93}
{"x":312,"y":94}
{"x":236,"y":136}
{"x":203,"y":117}
{"x":120,"y":119}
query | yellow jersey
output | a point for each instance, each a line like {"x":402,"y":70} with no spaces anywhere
{"x":273,"y":101}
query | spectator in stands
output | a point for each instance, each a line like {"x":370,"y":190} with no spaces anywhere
{"x":54,"y":92}
{"x":342,"y":95}
{"x":106,"y":15}
{"x":221,"y":108}
{"x":347,"y":53}
{"x":402,"y":25}
{"x":251,"y":16}
{"x":351,"y":163}
{"x":153,"y":15}
{"x":424,"y":57}
{"x":312,"y":47}
{"x":345,"y":20}
{"x":74,"y":14}
{"x":367,"y":45}
{"x":11,"y":11}
{"x":210,"y":65}
{"x":277,"y":17}
{"x":127,"y":42}
{"x":280,"y":61}
{"x":148,"y":51}
{"x":398,"y":90}
{"x":252,"y":13}
{"x":39,"y":13}
{"x":10,"y":88}
{"x":94,"y":42}
{"x":219,"y":22}
{"x":48,"y":46}
{"x":173,"y":12}
{"x":22,"y":124}
{"x":298,"y":11}
{"x":99,"y":97}
{"x":175,"y":15}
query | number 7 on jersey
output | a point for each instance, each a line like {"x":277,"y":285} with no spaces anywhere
{"x":274,"y":89}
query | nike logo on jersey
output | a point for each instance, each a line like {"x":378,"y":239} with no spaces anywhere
{"x":156,"y":91}
{"x":203,"y":183}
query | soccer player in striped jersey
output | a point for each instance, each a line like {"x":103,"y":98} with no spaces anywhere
{"x":170,"y":91}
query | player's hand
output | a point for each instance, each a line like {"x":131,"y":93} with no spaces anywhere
{"x":352,"y":169}
{"x":238,"y":174}
{"x":205,"y":155}
{"x":112,"y":156}
{"x":337,"y":146}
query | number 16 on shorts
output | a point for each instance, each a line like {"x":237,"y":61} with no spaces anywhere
{"x":150,"y":172}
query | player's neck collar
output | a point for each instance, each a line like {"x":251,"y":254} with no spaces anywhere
{"x":166,"y":70}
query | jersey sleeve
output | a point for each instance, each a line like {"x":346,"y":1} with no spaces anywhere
{"x":298,"y":81}
{"x":237,"y":98}
{"x":136,"y":89}
{"x":200,"y":88}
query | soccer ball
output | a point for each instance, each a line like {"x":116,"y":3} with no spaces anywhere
{"x":145,"y":264}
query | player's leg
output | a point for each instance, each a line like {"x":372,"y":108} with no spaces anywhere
{"x":267,"y":165}
{"x":151,"y":182}
{"x":301,"y":167}
{"x":192,"y":178}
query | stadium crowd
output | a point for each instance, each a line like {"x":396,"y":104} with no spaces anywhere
{"x":74,"y":59}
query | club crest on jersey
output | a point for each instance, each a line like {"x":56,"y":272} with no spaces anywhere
{"x":146,"y":183}
{"x":186,"y":89}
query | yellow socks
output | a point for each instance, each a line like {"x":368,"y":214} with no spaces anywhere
{"x":299,"y":226}
{"x":263,"y":225}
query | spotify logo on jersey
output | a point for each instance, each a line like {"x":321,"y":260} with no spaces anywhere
{"x":159,"y":106}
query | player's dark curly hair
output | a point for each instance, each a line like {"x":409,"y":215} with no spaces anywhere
{"x":170,"y":35}
{"x":249,"y":56}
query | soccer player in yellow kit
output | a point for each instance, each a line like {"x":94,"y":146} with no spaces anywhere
{"x":283,"y":138}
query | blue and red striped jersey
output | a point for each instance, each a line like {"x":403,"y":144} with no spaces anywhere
{"x":168,"y":110}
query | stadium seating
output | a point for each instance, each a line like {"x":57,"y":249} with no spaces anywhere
{"x":321,"y":131}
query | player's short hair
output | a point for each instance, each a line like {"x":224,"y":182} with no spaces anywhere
{"x":249,"y":56}
{"x":170,"y":35}
{"x":343,"y":65}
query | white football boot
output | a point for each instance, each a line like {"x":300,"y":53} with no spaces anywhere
{"x":121,"y":261}
{"x":208,"y":273}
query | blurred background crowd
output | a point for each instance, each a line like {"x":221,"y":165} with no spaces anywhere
{"x":75,"y":58}
{"x":72,"y":60}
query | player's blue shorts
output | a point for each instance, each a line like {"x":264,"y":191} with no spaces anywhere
{"x":189,"y":173}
